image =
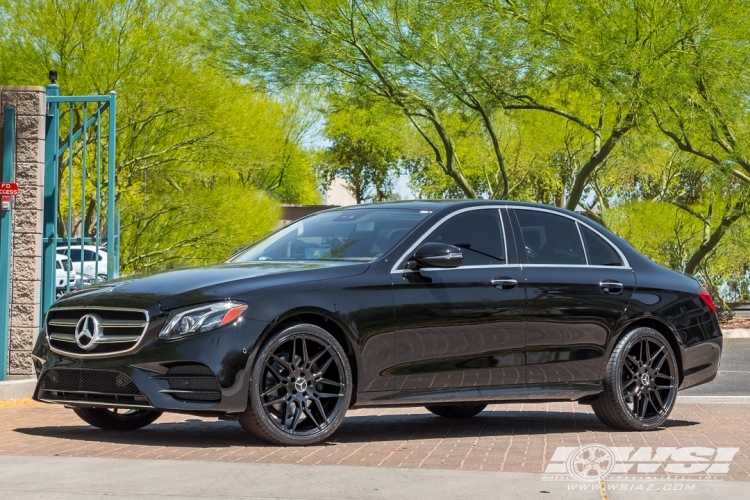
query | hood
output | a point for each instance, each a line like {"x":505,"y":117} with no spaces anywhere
{"x":167,"y":290}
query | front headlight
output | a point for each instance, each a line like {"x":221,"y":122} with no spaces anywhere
{"x":202,"y":319}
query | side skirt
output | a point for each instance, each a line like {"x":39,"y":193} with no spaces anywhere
{"x":569,"y":391}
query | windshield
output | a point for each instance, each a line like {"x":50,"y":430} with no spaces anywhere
{"x":62,"y":263}
{"x":361,"y":234}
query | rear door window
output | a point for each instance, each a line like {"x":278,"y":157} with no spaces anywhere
{"x":550,"y":239}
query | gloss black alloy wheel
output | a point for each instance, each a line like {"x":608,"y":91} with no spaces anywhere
{"x":640,"y":385}
{"x":300,"y":388}
{"x":114,"y":419}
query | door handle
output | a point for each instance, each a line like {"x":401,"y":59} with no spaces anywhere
{"x":612,"y":287}
{"x":504,"y":283}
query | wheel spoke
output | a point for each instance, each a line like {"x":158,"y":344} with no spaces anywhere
{"x":325,"y":367}
{"x":287,"y":416}
{"x":305,"y":357}
{"x":283,"y":363}
{"x":318,"y":356}
{"x":631,"y":382}
{"x":276,"y":374}
{"x":658,"y":398}
{"x":653,"y":358}
{"x":294,"y":349}
{"x":648,"y":353}
{"x":632,"y":372}
{"x":320,"y":409}
{"x":644,"y":407}
{"x":274,"y":388}
{"x":664,"y":387}
{"x":664,"y":375}
{"x":329,"y":382}
{"x":297,"y":414}
{"x":310,"y":416}
{"x":275,"y":401}
{"x":634,"y":361}
{"x":657,"y":368}
{"x":329,"y":395}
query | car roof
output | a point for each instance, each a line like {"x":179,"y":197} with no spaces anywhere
{"x":440,"y":205}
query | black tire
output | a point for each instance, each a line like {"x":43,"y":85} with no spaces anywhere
{"x":117,"y":420}
{"x":640,"y":383}
{"x":300,"y":387}
{"x":457,"y":411}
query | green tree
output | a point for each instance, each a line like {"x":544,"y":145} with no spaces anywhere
{"x":195,"y":148}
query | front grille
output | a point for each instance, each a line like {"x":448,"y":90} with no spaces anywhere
{"x":121,"y":330}
{"x":90,"y":386}
{"x":192,"y":383}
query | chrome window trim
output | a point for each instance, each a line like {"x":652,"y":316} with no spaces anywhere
{"x":135,"y":346}
{"x":625,"y":263}
{"x":405,"y":256}
{"x":583,"y":244}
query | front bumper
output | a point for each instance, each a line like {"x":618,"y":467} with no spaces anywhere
{"x":157,"y":372}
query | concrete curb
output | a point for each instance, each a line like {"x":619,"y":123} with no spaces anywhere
{"x":17,"y":389}
{"x":736,"y":333}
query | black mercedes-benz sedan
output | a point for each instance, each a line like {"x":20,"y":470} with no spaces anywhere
{"x":447,"y":305}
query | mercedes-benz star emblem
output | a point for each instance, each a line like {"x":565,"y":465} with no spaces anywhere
{"x":88,"y":331}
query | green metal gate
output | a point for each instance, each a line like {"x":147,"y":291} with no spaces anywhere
{"x":80,"y":219}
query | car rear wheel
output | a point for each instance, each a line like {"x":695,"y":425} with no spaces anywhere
{"x":640,"y":384}
{"x":456,"y":411}
{"x":113,"y":419}
{"x":300,"y":387}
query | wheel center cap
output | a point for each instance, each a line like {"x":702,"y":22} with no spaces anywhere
{"x":300,"y":384}
{"x":645,"y":379}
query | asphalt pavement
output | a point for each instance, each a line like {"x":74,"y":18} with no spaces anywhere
{"x":733,"y":379}
{"x":75,"y":478}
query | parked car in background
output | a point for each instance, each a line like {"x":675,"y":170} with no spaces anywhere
{"x":447,"y":305}
{"x":65,"y":275}
{"x":94,"y":260}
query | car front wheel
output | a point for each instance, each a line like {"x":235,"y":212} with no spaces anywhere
{"x":300,"y":387}
{"x":112,"y":419}
{"x":640,"y":384}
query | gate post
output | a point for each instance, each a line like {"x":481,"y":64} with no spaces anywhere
{"x":6,"y":225}
{"x":49,"y":228}
{"x":26,"y":241}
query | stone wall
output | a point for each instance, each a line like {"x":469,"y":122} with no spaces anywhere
{"x":26,"y":266}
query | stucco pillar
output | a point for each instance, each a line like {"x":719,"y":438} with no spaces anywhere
{"x":26,"y":263}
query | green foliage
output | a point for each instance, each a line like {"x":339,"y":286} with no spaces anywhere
{"x":203,"y":159}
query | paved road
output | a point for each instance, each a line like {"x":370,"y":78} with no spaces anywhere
{"x":734,"y":373}
{"x":67,"y":478}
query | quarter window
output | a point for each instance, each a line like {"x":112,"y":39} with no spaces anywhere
{"x":550,"y":238}
{"x":599,"y":251}
{"x":478,"y":233}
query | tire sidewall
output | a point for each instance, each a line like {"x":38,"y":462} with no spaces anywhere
{"x":256,"y":377}
{"x":615,"y":376}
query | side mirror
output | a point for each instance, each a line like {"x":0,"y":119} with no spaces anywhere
{"x":437,"y":255}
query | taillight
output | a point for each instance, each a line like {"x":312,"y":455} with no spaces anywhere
{"x":706,"y":297}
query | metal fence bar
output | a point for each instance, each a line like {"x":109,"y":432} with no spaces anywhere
{"x":6,"y":221}
{"x":113,"y":265}
{"x":78,"y":98}
{"x":70,"y":197}
{"x":98,"y":188}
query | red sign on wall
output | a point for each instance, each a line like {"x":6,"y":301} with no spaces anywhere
{"x":8,"y":188}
